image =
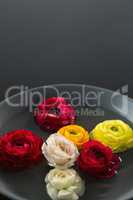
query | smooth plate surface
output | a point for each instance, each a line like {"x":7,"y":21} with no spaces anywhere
{"x":29,"y":184}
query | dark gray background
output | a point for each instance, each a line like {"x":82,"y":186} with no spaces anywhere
{"x":66,"y":41}
{"x":70,"y":41}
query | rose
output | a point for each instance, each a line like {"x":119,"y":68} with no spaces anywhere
{"x":64,"y":184}
{"x":20,"y":149}
{"x":114,"y":133}
{"x":77,"y":134}
{"x":53,"y":113}
{"x":59,"y":151}
{"x":98,"y":160}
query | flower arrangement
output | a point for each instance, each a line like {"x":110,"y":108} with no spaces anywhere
{"x":92,"y":152}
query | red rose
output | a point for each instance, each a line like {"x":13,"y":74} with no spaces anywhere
{"x":20,"y":149}
{"x":54,"y":113}
{"x":98,"y":160}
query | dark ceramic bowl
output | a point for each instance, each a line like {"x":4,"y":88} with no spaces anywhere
{"x":96,"y":105}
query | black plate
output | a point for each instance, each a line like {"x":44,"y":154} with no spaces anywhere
{"x":29,"y":184}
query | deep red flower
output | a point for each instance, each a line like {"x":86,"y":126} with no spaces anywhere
{"x":54,"y":113}
{"x":20,"y":149}
{"x":98,"y":160}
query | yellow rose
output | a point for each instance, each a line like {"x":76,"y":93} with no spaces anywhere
{"x":77,"y":134}
{"x":114,"y":133}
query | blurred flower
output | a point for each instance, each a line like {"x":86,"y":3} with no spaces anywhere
{"x":98,"y":160}
{"x":64,"y":184}
{"x":53,"y":113}
{"x":20,"y":149}
{"x":59,"y":151}
{"x":77,"y":134}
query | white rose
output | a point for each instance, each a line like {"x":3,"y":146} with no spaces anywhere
{"x":60,"y":152}
{"x":64,"y":184}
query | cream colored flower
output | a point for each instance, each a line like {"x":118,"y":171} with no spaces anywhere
{"x":59,"y":151}
{"x":64,"y":184}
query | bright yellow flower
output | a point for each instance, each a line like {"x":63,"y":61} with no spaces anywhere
{"x":77,"y":134}
{"x":114,"y":133}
